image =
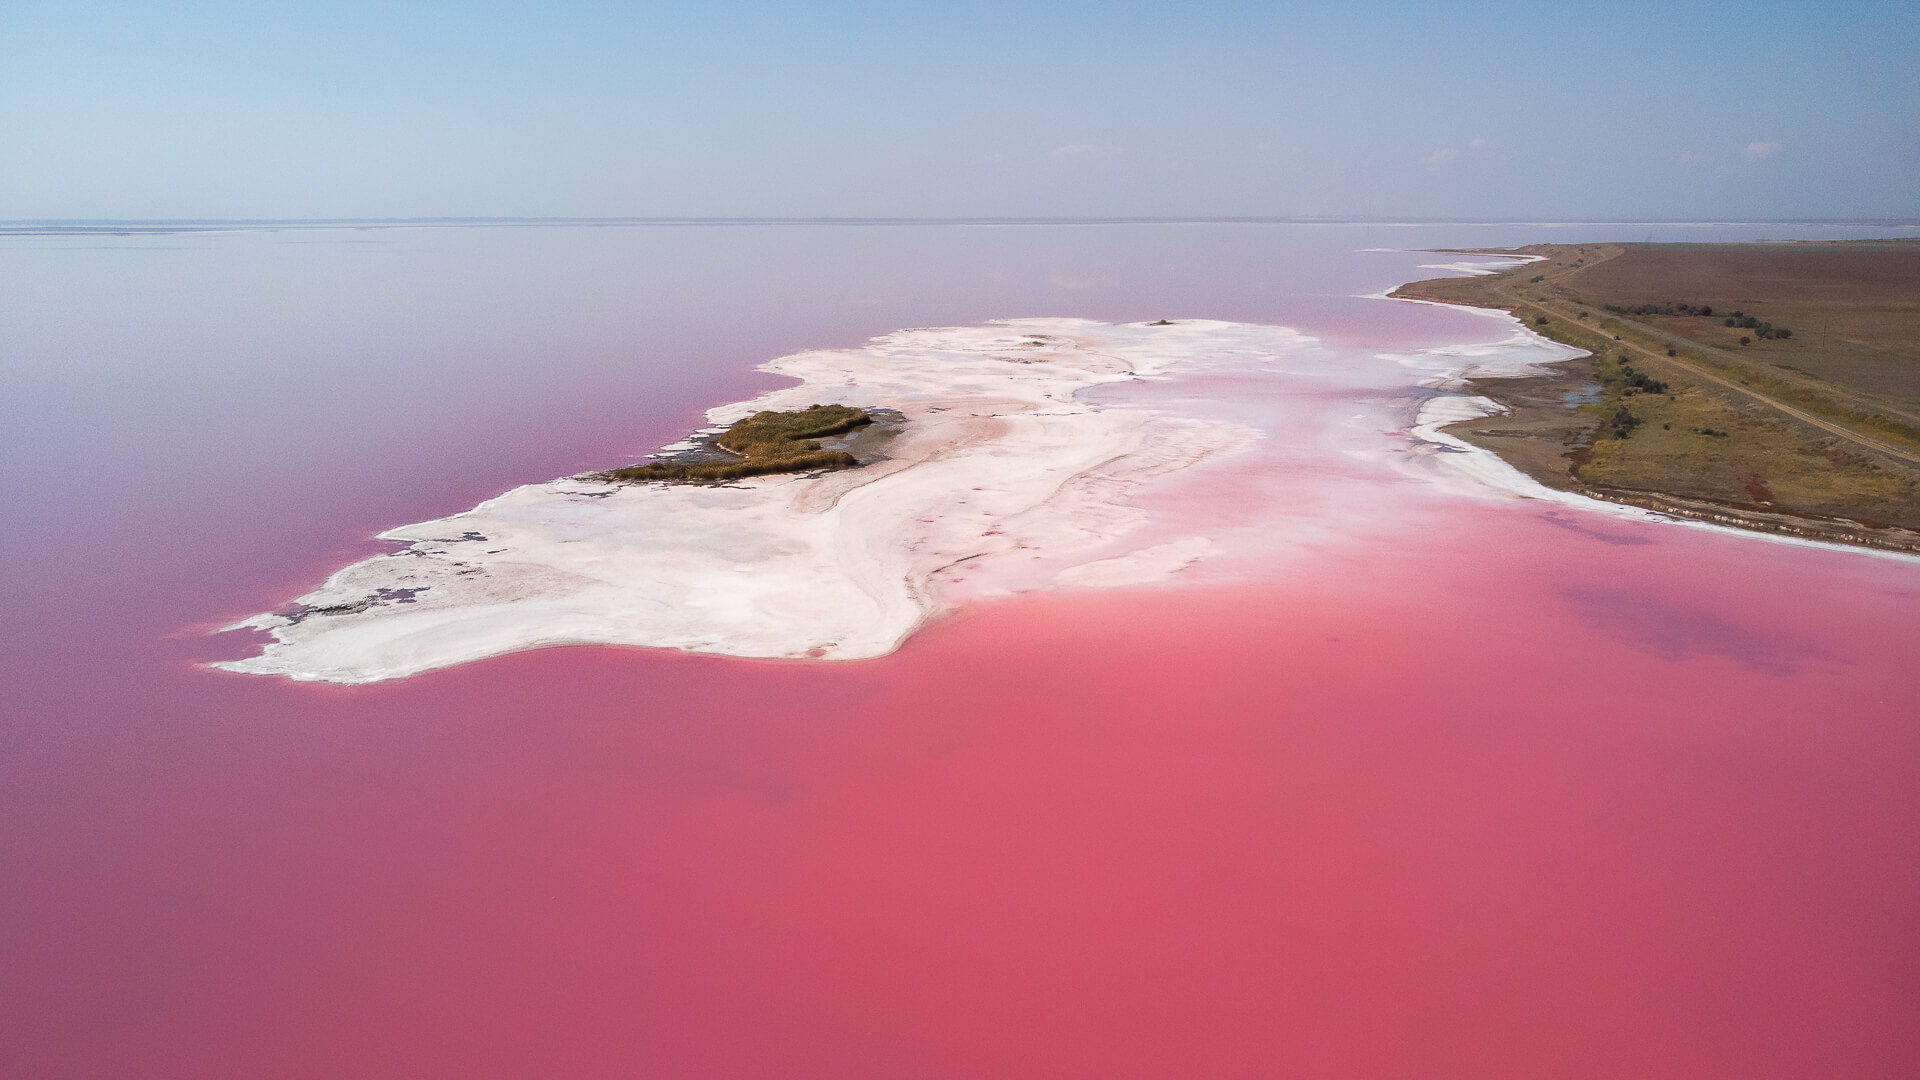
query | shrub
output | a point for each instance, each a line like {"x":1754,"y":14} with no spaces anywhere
{"x":767,"y":442}
{"x":1623,"y":422}
{"x":1671,"y":307}
{"x":1637,"y":382}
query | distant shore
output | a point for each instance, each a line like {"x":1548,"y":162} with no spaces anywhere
{"x":1720,"y":417}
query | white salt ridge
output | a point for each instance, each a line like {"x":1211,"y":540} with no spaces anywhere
{"x":1485,"y":265}
{"x":1477,"y":266}
{"x":1156,"y":563}
{"x":998,"y":454}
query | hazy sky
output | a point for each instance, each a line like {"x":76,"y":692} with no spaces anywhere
{"x":1658,"y":110}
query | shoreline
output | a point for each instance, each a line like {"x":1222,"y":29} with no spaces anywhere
{"x":1540,"y":434}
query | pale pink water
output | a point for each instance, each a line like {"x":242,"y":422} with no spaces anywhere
{"x":1504,"y":791}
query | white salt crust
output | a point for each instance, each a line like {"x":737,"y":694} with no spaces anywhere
{"x":999,"y":454}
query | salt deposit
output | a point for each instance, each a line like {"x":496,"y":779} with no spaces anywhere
{"x":999,"y":453}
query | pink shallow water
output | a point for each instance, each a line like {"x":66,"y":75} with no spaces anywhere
{"x":1590,"y":809}
{"x":1502,"y":790}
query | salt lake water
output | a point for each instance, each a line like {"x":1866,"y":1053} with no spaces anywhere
{"x":1428,"y":784}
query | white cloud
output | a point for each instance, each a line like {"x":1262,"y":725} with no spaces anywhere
{"x":1076,"y":150}
{"x":1477,"y":144}
{"x":1762,"y":149}
{"x":1442,"y":157}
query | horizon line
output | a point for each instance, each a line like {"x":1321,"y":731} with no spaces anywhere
{"x":58,"y":226}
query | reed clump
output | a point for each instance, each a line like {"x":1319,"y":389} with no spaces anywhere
{"x":767,"y":442}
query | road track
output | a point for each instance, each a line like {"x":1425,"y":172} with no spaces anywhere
{"x":1866,"y":442}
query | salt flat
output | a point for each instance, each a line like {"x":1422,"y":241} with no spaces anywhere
{"x":999,"y":457}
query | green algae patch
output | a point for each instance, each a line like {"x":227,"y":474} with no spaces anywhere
{"x":766,"y":442}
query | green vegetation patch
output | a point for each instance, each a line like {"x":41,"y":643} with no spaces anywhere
{"x":767,"y":442}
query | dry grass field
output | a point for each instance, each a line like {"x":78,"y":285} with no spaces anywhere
{"x":1801,"y":417}
{"x":1854,"y":307}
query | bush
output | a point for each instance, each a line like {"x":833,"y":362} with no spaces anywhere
{"x":1637,"y":382}
{"x":767,"y":442}
{"x":1623,"y":422}
{"x":1671,"y":307}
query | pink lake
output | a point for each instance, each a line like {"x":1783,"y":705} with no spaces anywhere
{"x":1491,"y":789}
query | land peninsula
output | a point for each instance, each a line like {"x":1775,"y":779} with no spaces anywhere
{"x":1769,"y":386}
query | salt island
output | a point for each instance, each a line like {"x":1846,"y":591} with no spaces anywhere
{"x":974,"y":445}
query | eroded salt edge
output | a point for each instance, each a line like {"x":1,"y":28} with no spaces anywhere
{"x":999,"y":454}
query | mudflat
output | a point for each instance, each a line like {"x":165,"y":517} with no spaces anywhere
{"x":1769,"y":386}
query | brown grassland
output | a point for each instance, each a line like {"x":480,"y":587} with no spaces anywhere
{"x":1803,"y":417}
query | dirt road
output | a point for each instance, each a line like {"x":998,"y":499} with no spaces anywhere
{"x":1867,"y":442}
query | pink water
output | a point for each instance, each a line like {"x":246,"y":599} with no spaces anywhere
{"x":1507,"y":791}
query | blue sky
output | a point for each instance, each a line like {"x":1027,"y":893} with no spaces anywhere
{"x":1682,"y":110}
